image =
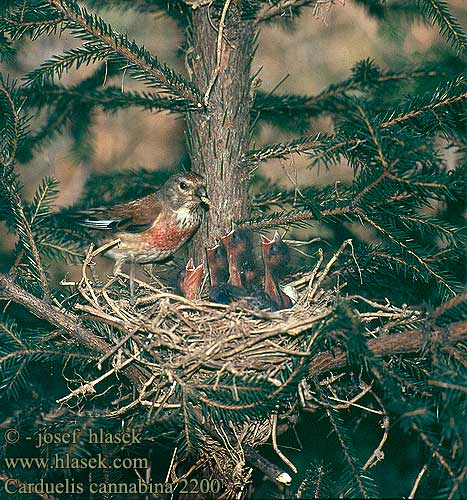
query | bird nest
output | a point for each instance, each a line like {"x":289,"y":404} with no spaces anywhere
{"x":225,"y":368}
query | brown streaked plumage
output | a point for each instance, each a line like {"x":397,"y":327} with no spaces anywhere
{"x":276,"y":257}
{"x":154,"y":227}
{"x":191,"y":280}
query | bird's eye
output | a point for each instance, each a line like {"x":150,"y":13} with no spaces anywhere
{"x":183,"y":186}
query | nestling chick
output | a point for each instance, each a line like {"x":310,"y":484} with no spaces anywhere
{"x":242,"y":274}
{"x":276,"y":257}
{"x":220,"y":291}
{"x":218,"y":264}
{"x":190,"y":280}
{"x":240,"y":257}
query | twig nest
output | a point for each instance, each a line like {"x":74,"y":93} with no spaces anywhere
{"x":223,"y":369}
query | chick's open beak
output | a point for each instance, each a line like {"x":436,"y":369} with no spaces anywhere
{"x":203,"y":195}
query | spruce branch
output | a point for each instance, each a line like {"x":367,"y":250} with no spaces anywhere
{"x":297,"y":219}
{"x":54,"y":125}
{"x":406,"y":342}
{"x":23,"y":228}
{"x":445,"y":96}
{"x":56,"y":66}
{"x":12,"y":132}
{"x":33,"y":18}
{"x":66,"y":321}
{"x":109,"y":99}
{"x":406,"y":249}
{"x":316,"y":146}
{"x":7,"y":51}
{"x":425,"y":112}
{"x":136,"y":60}
{"x":438,"y":12}
{"x":364,"y":484}
{"x":43,"y":199}
{"x":365,"y":74}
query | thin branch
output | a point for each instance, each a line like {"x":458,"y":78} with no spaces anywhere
{"x":269,"y":469}
{"x":434,"y":450}
{"x":450,"y":304}
{"x":417,"y":481}
{"x":412,"y":114}
{"x":286,"y":219}
{"x":446,"y":385}
{"x":11,"y":188}
{"x":14,"y":147}
{"x":290,"y":104}
{"x":68,"y":322}
{"x":278,"y":9}
{"x":276,"y":447}
{"x":251,"y":455}
{"x":121,"y":46}
{"x":387,"y":345}
{"x":407,"y":249}
{"x":459,"y":480}
{"x":306,"y":144}
{"x":219,"y":51}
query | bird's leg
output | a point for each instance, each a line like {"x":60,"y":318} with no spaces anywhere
{"x":132,"y":282}
{"x":117,"y":267}
{"x":115,"y":272}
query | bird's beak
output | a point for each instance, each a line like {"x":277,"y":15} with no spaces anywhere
{"x":191,"y":281}
{"x":265,"y":241}
{"x":277,"y":237}
{"x":211,"y":251}
{"x":227,"y":238}
{"x":203,"y":195}
{"x":194,"y":274}
{"x":266,"y":245}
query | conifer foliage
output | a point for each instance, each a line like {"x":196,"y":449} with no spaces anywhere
{"x":374,"y":357}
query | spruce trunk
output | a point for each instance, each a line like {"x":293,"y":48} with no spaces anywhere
{"x":219,"y":135}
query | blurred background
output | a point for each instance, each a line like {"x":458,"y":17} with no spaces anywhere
{"x":299,"y":56}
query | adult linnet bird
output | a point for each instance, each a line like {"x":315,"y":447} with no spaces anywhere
{"x":151,"y":228}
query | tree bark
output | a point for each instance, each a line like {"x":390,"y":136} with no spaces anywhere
{"x":218,"y":135}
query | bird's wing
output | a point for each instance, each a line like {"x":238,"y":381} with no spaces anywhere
{"x":133,"y":216}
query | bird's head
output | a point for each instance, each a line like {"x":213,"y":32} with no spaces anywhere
{"x":190,"y":280}
{"x":217,"y":262}
{"x":237,"y":243}
{"x":186,"y":190}
{"x":275,"y":252}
